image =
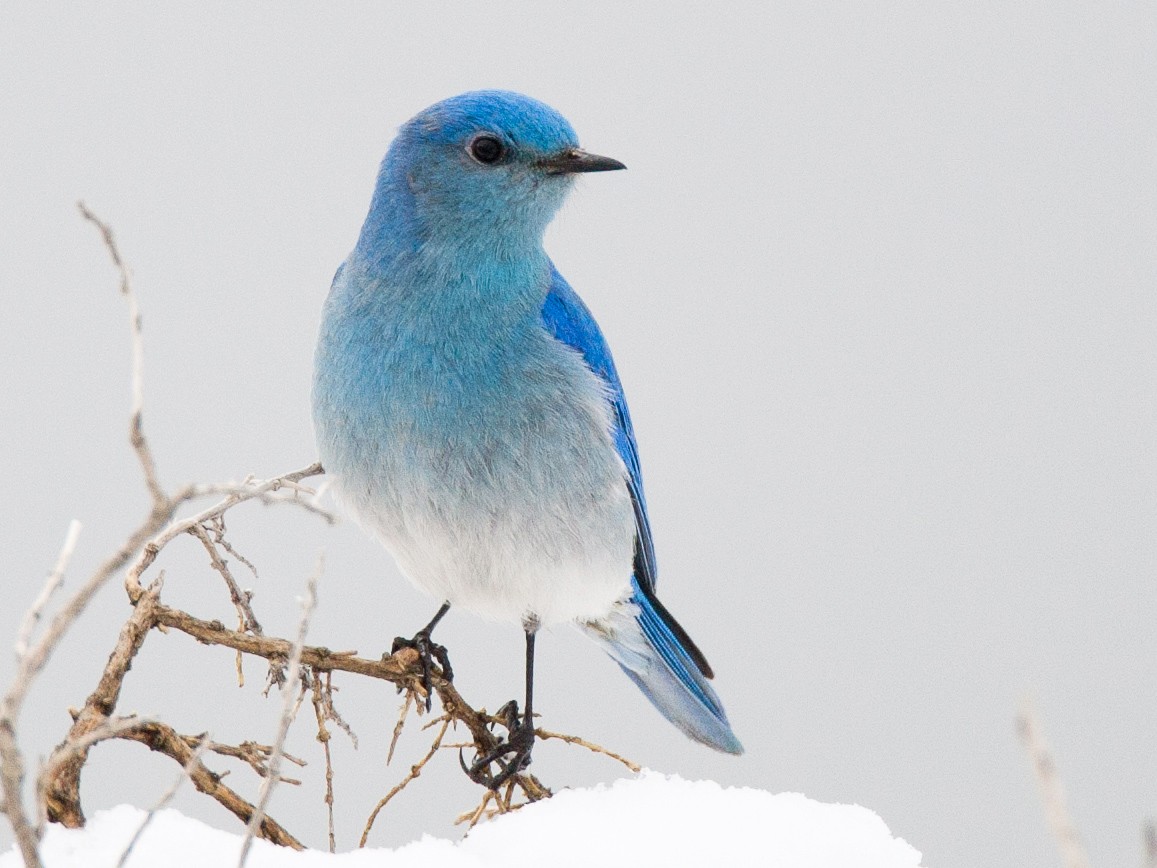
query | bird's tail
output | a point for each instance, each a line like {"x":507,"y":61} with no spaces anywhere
{"x":661,"y":659}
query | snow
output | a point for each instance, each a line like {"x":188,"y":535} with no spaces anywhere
{"x":650,"y":820}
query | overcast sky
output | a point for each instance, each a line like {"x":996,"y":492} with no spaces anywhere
{"x":880,"y":282}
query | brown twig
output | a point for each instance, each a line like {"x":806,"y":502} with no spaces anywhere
{"x":323,"y":736}
{"x":255,"y":755}
{"x":248,"y":489}
{"x":186,"y":771}
{"x":246,"y":620}
{"x":591,"y":746}
{"x":402,"y":715}
{"x":415,"y":771}
{"x":324,"y":710}
{"x":237,"y":597}
{"x":163,"y":739}
{"x":288,"y":712}
{"x":136,"y":425}
{"x":1052,"y":791}
{"x":52,"y":583}
{"x":472,"y":817}
{"x":11,"y":760}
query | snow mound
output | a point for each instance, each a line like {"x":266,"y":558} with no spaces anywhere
{"x":652,"y":820}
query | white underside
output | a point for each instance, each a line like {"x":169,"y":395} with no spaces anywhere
{"x":523,"y":569}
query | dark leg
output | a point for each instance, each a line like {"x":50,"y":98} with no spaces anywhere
{"x":520,"y":740}
{"x":428,"y":652}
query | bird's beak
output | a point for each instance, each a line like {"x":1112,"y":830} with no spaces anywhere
{"x":577,"y":160}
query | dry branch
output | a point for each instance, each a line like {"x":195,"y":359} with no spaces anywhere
{"x":288,"y":712}
{"x":58,"y":784}
{"x":163,"y":739}
{"x":415,"y":771}
{"x":203,"y":743}
{"x":1052,"y":791}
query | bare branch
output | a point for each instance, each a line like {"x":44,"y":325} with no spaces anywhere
{"x":591,"y":746}
{"x":287,"y":712}
{"x":12,"y":777}
{"x":402,"y":715}
{"x":163,"y":739}
{"x":1060,"y":821}
{"x":240,"y":600}
{"x":107,"y":729}
{"x":415,"y":771}
{"x":136,"y":424}
{"x":55,"y":579}
{"x":11,"y":760}
{"x":297,"y":668}
{"x":166,"y":797}
{"x":59,"y":782}
{"x":323,"y":736}
{"x":255,"y":755}
{"x":247,"y":490}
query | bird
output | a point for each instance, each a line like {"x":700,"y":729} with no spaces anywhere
{"x":468,"y":409}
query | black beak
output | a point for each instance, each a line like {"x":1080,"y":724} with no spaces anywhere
{"x":577,"y":160}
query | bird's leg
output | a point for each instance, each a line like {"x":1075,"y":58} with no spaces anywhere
{"x":520,"y":728}
{"x":428,"y":652}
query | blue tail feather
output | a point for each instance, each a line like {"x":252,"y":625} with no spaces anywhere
{"x":651,"y":648}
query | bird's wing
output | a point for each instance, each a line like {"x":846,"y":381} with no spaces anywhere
{"x":570,"y":321}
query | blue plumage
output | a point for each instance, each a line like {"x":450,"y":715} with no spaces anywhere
{"x":680,"y":665}
{"x":469,"y":409}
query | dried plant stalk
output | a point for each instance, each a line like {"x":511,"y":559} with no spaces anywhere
{"x":1052,"y":791}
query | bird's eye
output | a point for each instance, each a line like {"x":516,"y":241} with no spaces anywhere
{"x":487,"y":150}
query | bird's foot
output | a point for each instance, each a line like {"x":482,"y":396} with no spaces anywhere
{"x":429,"y":651}
{"x":517,"y":746}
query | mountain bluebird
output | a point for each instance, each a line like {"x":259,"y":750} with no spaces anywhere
{"x":468,"y":409}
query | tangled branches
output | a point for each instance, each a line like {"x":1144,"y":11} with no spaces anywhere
{"x":302,"y":672}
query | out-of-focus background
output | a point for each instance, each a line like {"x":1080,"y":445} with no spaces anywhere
{"x":880,"y":284}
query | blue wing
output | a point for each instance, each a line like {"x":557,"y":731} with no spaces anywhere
{"x":570,"y":321}
{"x":651,"y":647}
{"x":566,"y":317}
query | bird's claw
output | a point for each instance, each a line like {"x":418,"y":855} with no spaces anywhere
{"x":428,"y":652}
{"x":519,"y":742}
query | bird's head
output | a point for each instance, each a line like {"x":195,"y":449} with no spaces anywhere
{"x":488,"y":165}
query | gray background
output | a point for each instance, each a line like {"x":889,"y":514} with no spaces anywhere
{"x":880,"y":283}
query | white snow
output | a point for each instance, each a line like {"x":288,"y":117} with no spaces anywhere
{"x":655,"y":820}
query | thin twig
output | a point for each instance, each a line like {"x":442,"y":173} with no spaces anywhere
{"x":218,"y":525}
{"x":163,"y":739}
{"x":323,"y":736}
{"x":471,"y":818}
{"x":247,"y":490}
{"x":402,"y":715}
{"x":255,"y":755}
{"x":186,"y":771}
{"x":94,"y":722}
{"x":55,"y":578}
{"x":591,"y":746}
{"x":1052,"y":791}
{"x":415,"y":771}
{"x":136,"y":425}
{"x":11,"y":760}
{"x":237,"y":597}
{"x":288,"y":712}
{"x":109,"y":728}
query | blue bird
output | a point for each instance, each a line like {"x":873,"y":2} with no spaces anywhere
{"x":467,"y":406}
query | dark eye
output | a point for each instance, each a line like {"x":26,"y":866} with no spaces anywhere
{"x":487,"y":149}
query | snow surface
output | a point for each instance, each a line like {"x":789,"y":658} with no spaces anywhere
{"x":651,"y":820}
